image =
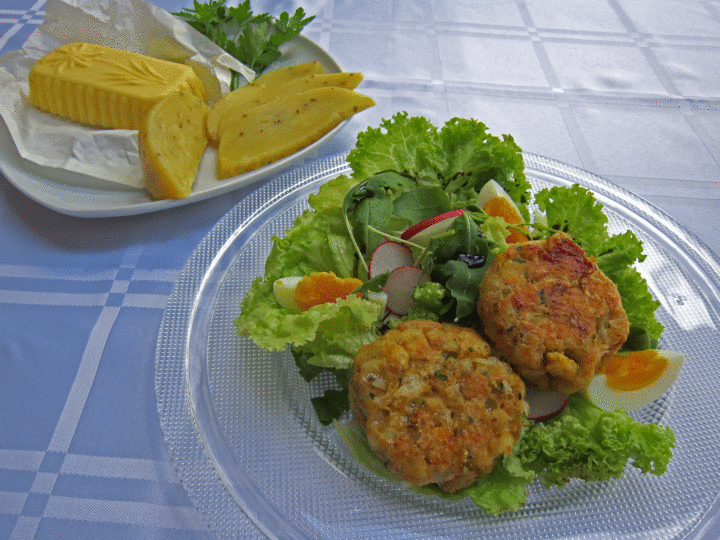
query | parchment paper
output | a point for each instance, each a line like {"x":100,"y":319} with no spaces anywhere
{"x":109,"y":155}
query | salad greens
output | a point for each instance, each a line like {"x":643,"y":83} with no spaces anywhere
{"x":253,"y":39}
{"x":459,"y":263}
{"x":408,"y":170}
{"x":584,"y":442}
{"x":317,"y":242}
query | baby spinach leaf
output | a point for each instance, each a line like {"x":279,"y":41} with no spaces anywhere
{"x":370,"y":204}
{"x":421,"y":203}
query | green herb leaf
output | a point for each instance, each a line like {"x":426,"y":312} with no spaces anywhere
{"x":331,"y":405}
{"x":257,"y":38}
{"x":371,"y":204}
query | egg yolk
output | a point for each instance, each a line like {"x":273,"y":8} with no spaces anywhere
{"x":501,"y":207}
{"x":633,"y":371}
{"x":321,"y":287}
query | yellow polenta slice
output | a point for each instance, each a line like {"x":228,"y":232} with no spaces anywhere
{"x":247,"y":97}
{"x":171,"y":142}
{"x":275,"y":130}
{"x":279,"y":76}
{"x":246,"y":94}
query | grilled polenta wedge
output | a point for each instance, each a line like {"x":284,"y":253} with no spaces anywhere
{"x":171,"y":143}
{"x":269,"y":132}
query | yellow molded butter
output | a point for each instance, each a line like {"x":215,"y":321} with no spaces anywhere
{"x":106,"y":87}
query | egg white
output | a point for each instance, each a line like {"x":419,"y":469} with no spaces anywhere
{"x":610,"y":399}
{"x":284,"y":291}
{"x":492,"y":190}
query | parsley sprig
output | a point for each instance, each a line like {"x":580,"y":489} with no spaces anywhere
{"x":255,"y":40}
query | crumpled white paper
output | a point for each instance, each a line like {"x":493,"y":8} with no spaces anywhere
{"x":110,"y":155}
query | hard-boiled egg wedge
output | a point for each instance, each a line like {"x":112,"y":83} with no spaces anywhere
{"x":297,"y":293}
{"x":284,"y":290}
{"x":496,"y":202}
{"x":629,"y":381}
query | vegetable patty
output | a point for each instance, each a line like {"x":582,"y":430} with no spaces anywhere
{"x":550,"y":312}
{"x":434,"y":404}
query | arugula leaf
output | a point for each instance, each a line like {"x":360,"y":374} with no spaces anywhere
{"x":334,"y":402}
{"x":459,"y":263}
{"x":370,"y":205}
{"x":385,"y":205}
{"x":420,"y":204}
{"x":257,"y":38}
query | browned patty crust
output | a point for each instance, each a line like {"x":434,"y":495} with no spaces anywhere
{"x":549,"y":311}
{"x":435,"y":406}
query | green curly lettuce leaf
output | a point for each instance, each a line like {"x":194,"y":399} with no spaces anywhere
{"x":331,"y":333}
{"x":460,"y":157}
{"x":589,"y":443}
{"x":584,"y":443}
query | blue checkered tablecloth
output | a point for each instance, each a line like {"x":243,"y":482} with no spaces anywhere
{"x":627,"y":89}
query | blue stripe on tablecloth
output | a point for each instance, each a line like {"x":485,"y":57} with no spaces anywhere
{"x":32,"y":495}
{"x":75,"y":403}
{"x":122,"y":512}
{"x":17,"y":24}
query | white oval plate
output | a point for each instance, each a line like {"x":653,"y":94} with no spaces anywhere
{"x":79,"y":195}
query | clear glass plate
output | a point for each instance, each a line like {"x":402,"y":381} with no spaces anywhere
{"x":252,"y":456}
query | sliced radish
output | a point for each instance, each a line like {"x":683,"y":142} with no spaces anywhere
{"x":388,"y":256}
{"x":430,"y":227}
{"x":422,"y":232}
{"x":399,"y":286}
{"x":545,"y":404}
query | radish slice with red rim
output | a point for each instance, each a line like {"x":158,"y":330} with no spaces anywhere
{"x":432,"y":226}
{"x":545,"y":404}
{"x":399,"y":287}
{"x":421,"y":233}
{"x":388,"y":256}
